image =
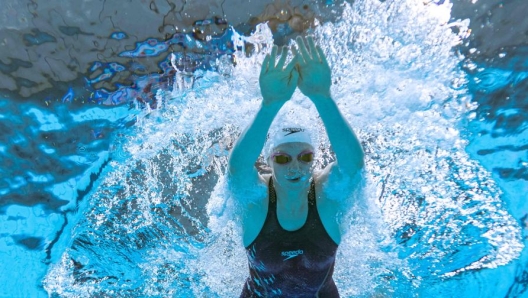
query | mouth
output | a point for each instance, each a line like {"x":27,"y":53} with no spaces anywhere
{"x":296,"y":179}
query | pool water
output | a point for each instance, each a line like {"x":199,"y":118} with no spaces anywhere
{"x":121,"y":191}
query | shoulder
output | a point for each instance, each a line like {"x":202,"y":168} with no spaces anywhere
{"x":254,"y":213}
{"x":335,"y":193}
{"x":333,"y":173}
{"x":322,"y":192}
{"x":244,"y":181}
{"x":333,"y":186}
{"x":248,"y":190}
{"x":327,"y":208}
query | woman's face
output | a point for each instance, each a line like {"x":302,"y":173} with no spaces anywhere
{"x":292,"y":164}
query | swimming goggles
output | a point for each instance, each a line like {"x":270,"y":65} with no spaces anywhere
{"x":283,"y":158}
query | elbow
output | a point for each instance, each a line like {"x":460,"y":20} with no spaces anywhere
{"x":358,"y":163}
{"x":237,"y":167}
{"x":350,"y":166}
{"x":232,"y":167}
{"x":358,"y":160}
{"x":361,"y":162}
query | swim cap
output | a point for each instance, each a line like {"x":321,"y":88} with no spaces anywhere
{"x":288,"y":135}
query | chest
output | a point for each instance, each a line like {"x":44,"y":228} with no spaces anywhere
{"x":309,"y":247}
{"x":291,"y":221}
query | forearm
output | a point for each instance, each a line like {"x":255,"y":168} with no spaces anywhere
{"x":344,"y":141}
{"x":250,"y":143}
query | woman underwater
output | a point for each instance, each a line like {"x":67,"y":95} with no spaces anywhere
{"x":291,"y":236}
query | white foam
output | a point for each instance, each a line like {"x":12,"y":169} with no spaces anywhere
{"x":393,"y":67}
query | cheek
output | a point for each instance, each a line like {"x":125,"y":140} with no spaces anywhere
{"x":279,"y":174}
{"x":307,"y":167}
{"x":280,"y":170}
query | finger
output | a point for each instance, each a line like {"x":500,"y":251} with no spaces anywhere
{"x":294,"y":77}
{"x":322,"y":55}
{"x":292,"y":63}
{"x":265,"y":65}
{"x":298,"y":68}
{"x":273,"y":56}
{"x":302,"y":48}
{"x":282,"y":60}
{"x":299,"y":59}
{"x":311,"y":44}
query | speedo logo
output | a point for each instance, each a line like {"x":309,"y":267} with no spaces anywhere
{"x":292,"y":130}
{"x":291,"y":254}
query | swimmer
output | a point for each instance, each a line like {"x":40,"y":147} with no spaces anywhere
{"x":291,"y":236}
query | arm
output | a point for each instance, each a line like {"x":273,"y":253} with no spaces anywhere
{"x":344,"y":142}
{"x":249,"y":145}
{"x":315,"y":82}
{"x":277,"y":85}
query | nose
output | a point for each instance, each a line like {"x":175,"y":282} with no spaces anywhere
{"x":294,"y":166}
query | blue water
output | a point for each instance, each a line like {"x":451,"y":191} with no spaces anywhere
{"x":115,"y":189}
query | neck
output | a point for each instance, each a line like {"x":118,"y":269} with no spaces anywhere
{"x":291,"y":198}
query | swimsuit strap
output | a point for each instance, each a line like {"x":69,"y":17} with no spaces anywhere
{"x":311,"y":193}
{"x":271,"y":190}
{"x":273,"y":194}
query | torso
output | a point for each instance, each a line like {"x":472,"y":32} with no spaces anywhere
{"x":295,"y":259}
{"x":257,"y":215}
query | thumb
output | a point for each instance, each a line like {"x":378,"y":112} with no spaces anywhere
{"x":293,"y":63}
{"x":294,"y":77}
{"x":297,"y":69}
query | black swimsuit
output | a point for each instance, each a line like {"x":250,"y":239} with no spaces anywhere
{"x":296,"y":263}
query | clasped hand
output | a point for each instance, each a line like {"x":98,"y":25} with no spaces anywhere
{"x":308,"y":70}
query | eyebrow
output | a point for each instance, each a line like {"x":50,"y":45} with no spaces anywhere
{"x":304,"y":151}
